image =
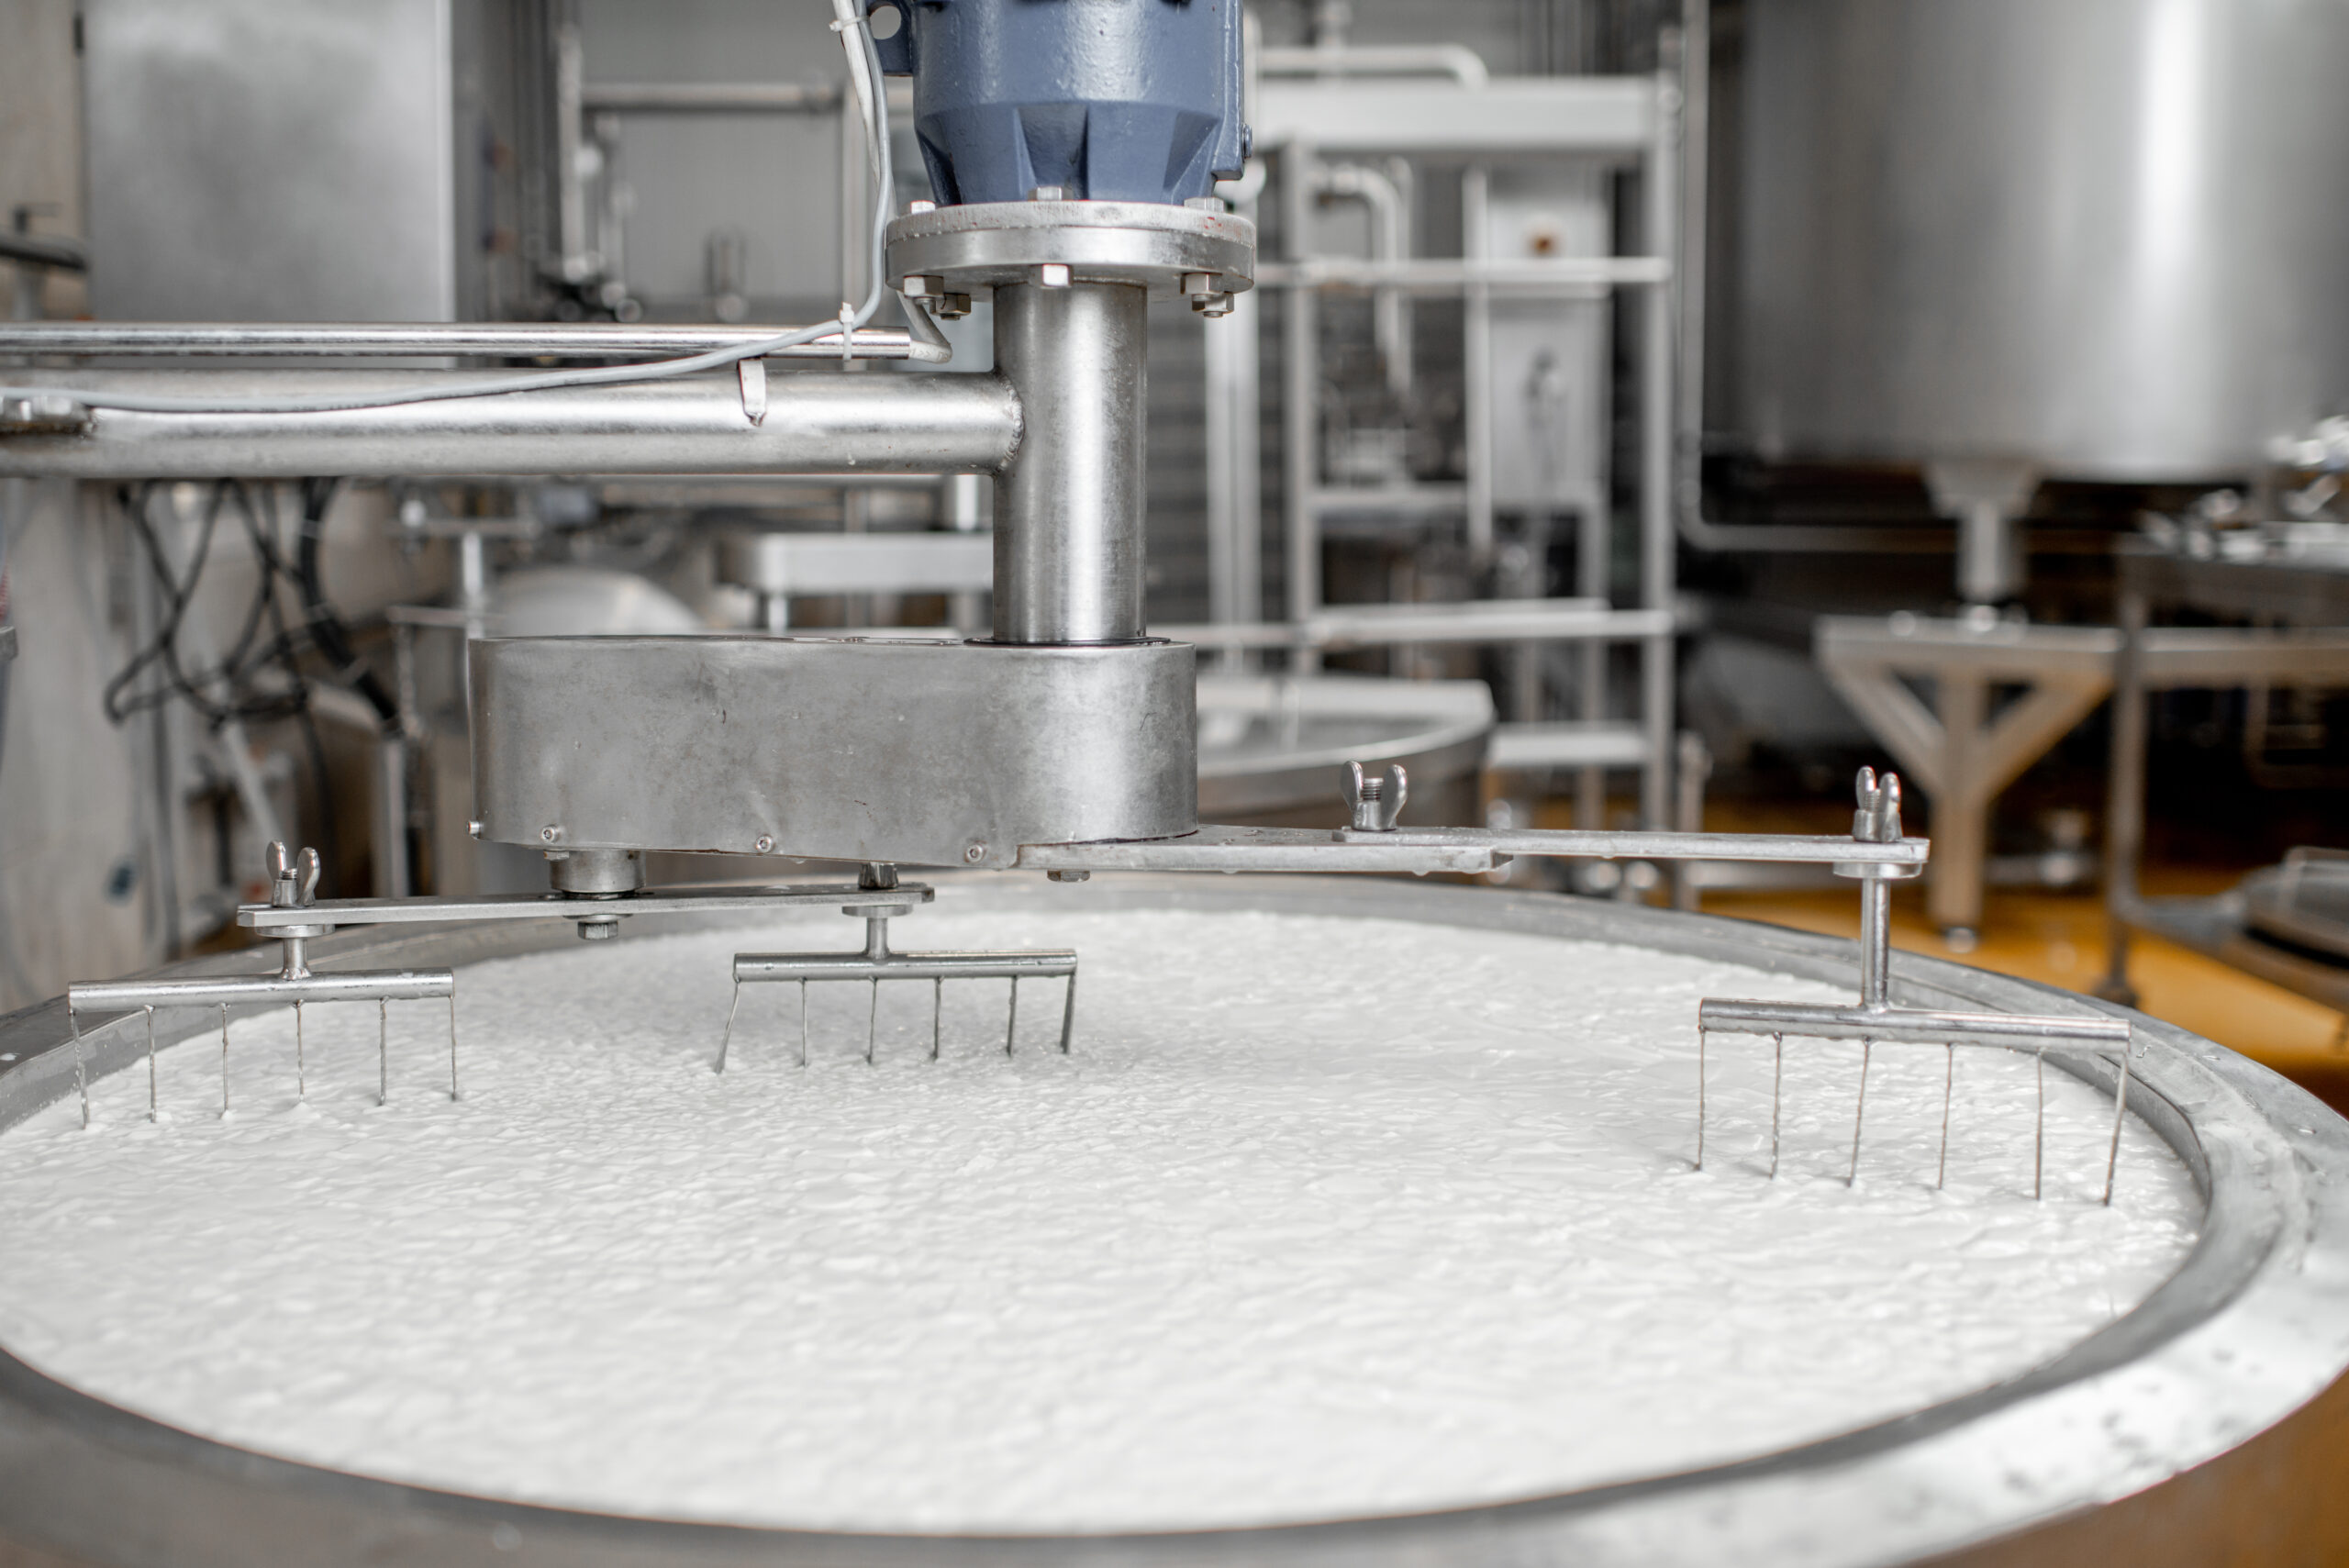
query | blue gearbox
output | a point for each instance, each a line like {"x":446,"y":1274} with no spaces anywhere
{"x":1110,"y":100}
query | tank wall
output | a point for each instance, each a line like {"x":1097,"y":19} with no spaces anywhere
{"x":2105,"y":235}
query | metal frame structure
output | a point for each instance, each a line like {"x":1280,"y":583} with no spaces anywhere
{"x":1474,"y":121}
{"x":2263,"y":588}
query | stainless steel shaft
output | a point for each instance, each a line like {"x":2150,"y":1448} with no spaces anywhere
{"x":817,"y":422}
{"x":1068,"y":516}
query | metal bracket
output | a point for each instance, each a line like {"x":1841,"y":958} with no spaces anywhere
{"x":1376,"y":804}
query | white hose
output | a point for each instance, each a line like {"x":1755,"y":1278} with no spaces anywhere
{"x":864,"y":76}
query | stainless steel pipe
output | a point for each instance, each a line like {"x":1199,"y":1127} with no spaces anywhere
{"x":814,"y":422}
{"x":1068,"y":507}
{"x":369,"y":340}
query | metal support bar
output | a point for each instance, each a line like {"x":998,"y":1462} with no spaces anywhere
{"x":1461,"y":849}
{"x":265,"y":920}
{"x":371,"y":339}
{"x":1069,"y":503}
{"x":814,"y":423}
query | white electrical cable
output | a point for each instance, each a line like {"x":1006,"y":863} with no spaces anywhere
{"x":865,"y":73}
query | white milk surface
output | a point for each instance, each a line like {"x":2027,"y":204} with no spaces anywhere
{"x":1322,"y":1217}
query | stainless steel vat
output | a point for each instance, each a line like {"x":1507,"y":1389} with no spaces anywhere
{"x":2102,"y":239}
{"x":2228,"y":1373}
{"x":1271,"y":747}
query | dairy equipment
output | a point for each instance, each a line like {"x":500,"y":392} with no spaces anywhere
{"x":2009,"y":240}
{"x":2145,"y":1401}
{"x":1065,"y":742}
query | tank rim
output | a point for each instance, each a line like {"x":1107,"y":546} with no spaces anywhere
{"x":2160,"y":1390}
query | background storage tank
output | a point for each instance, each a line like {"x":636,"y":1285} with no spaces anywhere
{"x":2097,"y":240}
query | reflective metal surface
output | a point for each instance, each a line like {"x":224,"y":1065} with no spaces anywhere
{"x":1273,"y":744}
{"x":927,"y":754}
{"x":987,"y":244}
{"x":2125,"y":1414}
{"x":531,"y":339}
{"x":2100,"y":235}
{"x":1068,"y":506}
{"x":814,"y":422}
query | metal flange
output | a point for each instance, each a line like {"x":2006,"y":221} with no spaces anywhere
{"x":1201,"y":252}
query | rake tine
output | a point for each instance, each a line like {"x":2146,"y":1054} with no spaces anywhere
{"x":937,"y":1011}
{"x":383,"y":1051}
{"x":1068,"y":1013}
{"x":81,"y":1074}
{"x":150,"y":1064}
{"x":1867,"y":1048}
{"x":872,"y":1019}
{"x":2038,"y":1134}
{"x":1949,"y":1086}
{"x":301,"y":1073}
{"x":1777,"y":1080}
{"x":223,"y":1059}
{"x":1011,"y":1025}
{"x":1700,"y":1100}
{"x":726,"y":1038}
{"x":2120,"y":1110}
{"x":452,"y":1046}
{"x":803,"y":1023}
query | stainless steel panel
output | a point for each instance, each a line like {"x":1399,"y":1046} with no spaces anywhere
{"x":926,"y":753}
{"x":2104,"y":236}
{"x":260,"y":160}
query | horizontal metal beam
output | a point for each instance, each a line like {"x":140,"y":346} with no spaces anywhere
{"x":708,"y":97}
{"x":2016,"y":1032}
{"x":266,"y":919}
{"x":376,"y":339}
{"x":1467,"y":849}
{"x":237,"y":990}
{"x":1511,"y":114}
{"x":814,"y":423}
{"x":1450,"y":274}
{"x":750,"y":968}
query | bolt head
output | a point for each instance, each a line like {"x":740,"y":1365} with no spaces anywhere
{"x":1218,"y":304}
{"x":1048,"y":193}
{"x":953,"y":307}
{"x":476,"y":828}
{"x":599,"y":930}
{"x":550,"y":834}
{"x":921,"y":204}
{"x":1069,"y":875}
{"x":976,"y":853}
{"x":919,"y":287}
{"x":765,"y":844}
{"x":1053,"y":275}
{"x":1204,"y":204}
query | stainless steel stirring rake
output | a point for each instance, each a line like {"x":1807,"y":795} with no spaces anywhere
{"x":1876,"y":1021}
{"x":876,"y":963}
{"x":294,"y":884}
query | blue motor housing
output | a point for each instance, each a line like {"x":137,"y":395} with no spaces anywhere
{"x":1111,"y":100}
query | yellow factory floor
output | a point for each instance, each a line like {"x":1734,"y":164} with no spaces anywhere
{"x":2059,"y":938}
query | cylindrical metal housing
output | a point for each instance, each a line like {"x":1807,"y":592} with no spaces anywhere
{"x":1136,"y":101}
{"x":1068,"y":507}
{"x":2103,"y":236}
{"x":814,"y":422}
